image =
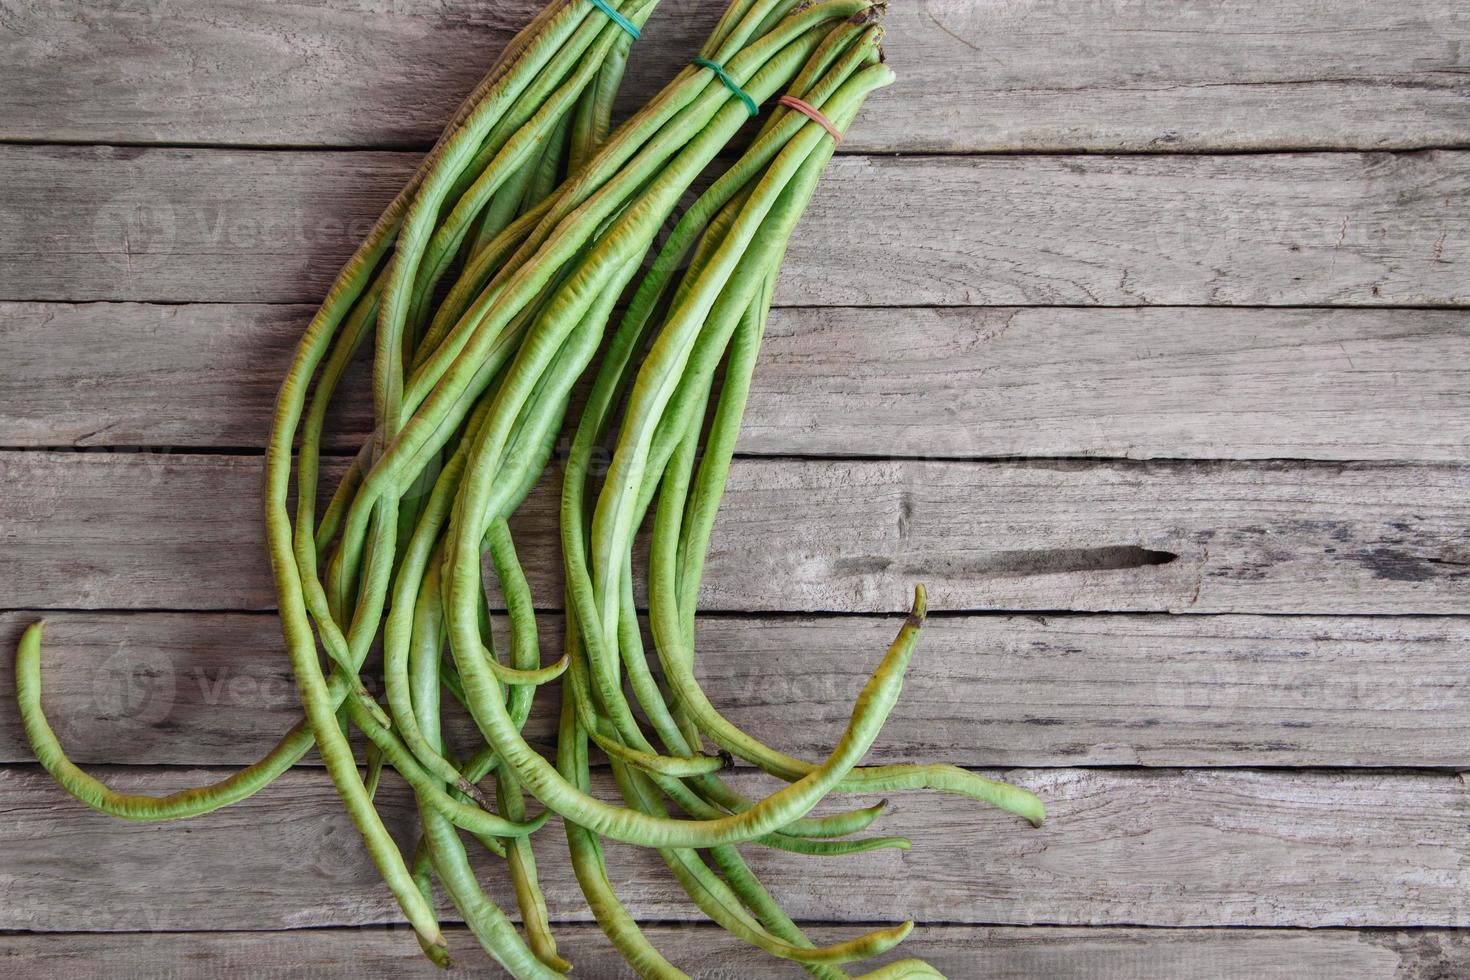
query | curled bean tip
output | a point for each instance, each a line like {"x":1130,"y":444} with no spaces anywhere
{"x":436,"y":948}
{"x":920,"y":607}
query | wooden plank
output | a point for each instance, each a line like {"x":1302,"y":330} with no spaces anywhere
{"x":1173,"y":382}
{"x":1001,"y":953}
{"x":1135,"y":847}
{"x":125,"y":374}
{"x":168,"y":531}
{"x":1142,"y":75}
{"x":216,"y":689}
{"x":73,"y":527}
{"x":1137,"y":383}
{"x":175,"y":225}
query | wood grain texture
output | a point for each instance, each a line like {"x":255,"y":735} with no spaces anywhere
{"x":1138,"y":847}
{"x":1135,"y":75}
{"x":182,"y":225}
{"x":707,"y":953}
{"x":149,"y":530}
{"x":216,"y":689}
{"x":1172,"y":382}
{"x":1136,"y":383}
{"x":1043,"y":299}
{"x":96,"y":375}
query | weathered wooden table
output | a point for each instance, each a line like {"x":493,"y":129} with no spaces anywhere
{"x":1136,"y":328}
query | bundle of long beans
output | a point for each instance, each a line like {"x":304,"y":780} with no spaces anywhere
{"x":488,"y":286}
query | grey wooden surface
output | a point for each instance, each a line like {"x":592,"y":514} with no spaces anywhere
{"x":1136,"y":328}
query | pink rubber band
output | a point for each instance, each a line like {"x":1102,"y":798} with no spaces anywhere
{"x":812,"y":113}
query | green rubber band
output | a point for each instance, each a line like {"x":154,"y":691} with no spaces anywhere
{"x":617,"y":18}
{"x":719,"y":71}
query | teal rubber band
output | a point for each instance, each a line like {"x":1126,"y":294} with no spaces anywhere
{"x":617,"y":18}
{"x":719,"y":71}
